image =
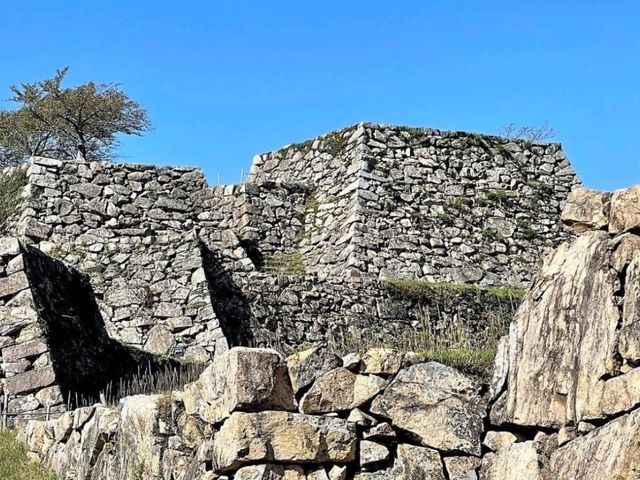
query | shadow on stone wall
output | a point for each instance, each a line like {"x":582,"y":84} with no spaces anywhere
{"x":87,"y":362}
{"x":230,"y":304}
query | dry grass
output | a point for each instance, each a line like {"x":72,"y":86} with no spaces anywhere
{"x":437,"y":339}
{"x":14,"y":464}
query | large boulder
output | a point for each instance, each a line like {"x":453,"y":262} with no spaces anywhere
{"x":411,"y":462}
{"x":339,"y":390}
{"x":282,"y":437}
{"x":437,"y":405}
{"x":306,"y":366}
{"x":625,"y":210}
{"x":243,"y":379}
{"x":586,"y":210}
{"x":611,"y":451}
{"x":563,"y":339}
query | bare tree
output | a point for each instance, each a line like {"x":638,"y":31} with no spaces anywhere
{"x":531,"y":134}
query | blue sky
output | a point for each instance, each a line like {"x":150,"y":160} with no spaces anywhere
{"x":225,"y":80}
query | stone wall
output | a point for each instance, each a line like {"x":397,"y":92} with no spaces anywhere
{"x":131,"y":228}
{"x":563,"y":402}
{"x":289,"y":312}
{"x":427,"y":204}
{"x":54,"y":347}
{"x":180,"y":267}
{"x":253,"y":415}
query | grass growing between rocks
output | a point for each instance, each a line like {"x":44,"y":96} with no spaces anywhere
{"x":454,"y":350}
{"x":474,"y":360}
{"x":14,"y":464}
{"x":465,"y":340}
{"x":444,"y":290}
{"x":285,"y":263}
{"x":11,"y":187}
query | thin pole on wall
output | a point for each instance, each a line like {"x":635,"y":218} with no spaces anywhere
{"x":5,"y":403}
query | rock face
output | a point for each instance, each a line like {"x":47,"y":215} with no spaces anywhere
{"x":284,"y":438}
{"x":612,"y":451}
{"x":437,"y":405}
{"x":240,"y":379}
{"x":575,"y":288}
{"x":572,"y":372}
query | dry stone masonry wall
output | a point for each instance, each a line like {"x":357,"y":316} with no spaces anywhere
{"x":302,"y":253}
{"x":54,"y":347}
{"x":563,"y":402}
{"x":426,"y":204}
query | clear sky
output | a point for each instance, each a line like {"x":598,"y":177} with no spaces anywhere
{"x":223,"y":80}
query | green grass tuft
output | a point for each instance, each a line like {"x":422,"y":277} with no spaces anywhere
{"x":474,"y":360}
{"x":14,"y":464}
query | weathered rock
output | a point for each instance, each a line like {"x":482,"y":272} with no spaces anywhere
{"x":411,"y":462}
{"x":495,"y":440}
{"x":140,"y":415}
{"x":517,"y":461}
{"x":352,"y":361}
{"x":611,"y":451}
{"x":24,"y":350}
{"x":382,"y":431}
{"x":586,"y":210}
{"x":437,"y":405}
{"x":337,"y":472}
{"x":548,"y":338}
{"x":160,"y":340}
{"x":284,"y":438}
{"x":13,"y":284}
{"x":31,"y":380}
{"x":268,"y":472}
{"x":462,"y":468}
{"x":339,"y":390}
{"x":372,"y":453}
{"x":625,"y":210}
{"x":629,"y":341}
{"x":382,"y":361}
{"x":240,"y":379}
{"x":306,"y":366}
{"x":361,"y":418}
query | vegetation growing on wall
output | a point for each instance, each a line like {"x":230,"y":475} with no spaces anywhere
{"x":11,"y":187}
{"x":444,"y":291}
{"x":285,"y":263}
{"x":468,"y":344}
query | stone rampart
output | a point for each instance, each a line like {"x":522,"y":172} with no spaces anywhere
{"x":178,"y":266}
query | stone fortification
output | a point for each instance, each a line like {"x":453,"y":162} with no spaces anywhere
{"x":303,"y":252}
{"x":54,"y":349}
{"x":425,"y":204}
{"x":563,"y":402}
